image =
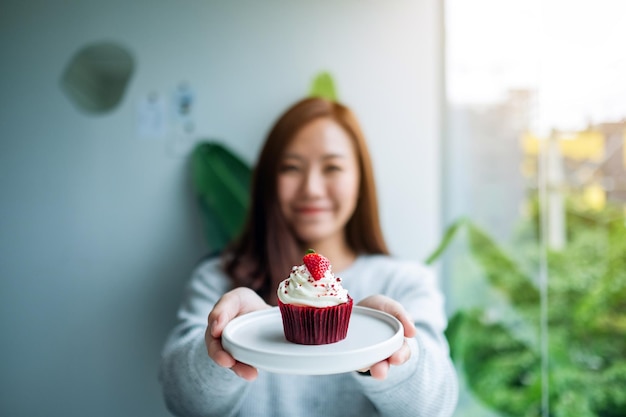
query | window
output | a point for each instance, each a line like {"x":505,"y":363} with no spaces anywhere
{"x":535,"y":183}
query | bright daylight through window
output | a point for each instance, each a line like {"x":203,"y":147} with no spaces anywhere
{"x":535,"y":193}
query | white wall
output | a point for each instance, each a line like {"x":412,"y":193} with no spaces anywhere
{"x":98,"y":228}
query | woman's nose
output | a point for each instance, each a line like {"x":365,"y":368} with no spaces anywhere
{"x":313,"y":185}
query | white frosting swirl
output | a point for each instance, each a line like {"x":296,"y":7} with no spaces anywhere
{"x":301,"y":289}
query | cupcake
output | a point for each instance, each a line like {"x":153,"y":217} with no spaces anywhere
{"x":314,"y":306}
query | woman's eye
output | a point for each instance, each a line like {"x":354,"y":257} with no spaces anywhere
{"x":288,"y":168}
{"x":332,"y":168}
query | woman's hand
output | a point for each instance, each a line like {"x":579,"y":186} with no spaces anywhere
{"x":232,"y":304}
{"x":380,"y":302}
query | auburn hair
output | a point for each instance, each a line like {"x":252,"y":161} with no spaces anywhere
{"x":267,"y":249}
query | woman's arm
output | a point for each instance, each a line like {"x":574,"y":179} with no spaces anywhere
{"x":193,"y":383}
{"x":426,"y":384}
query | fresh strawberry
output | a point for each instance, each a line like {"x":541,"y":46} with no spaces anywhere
{"x":316,"y":264}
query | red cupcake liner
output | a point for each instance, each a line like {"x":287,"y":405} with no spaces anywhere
{"x":307,"y":325}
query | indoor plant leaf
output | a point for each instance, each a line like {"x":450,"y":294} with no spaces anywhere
{"x":323,"y":86}
{"x":221,"y":181}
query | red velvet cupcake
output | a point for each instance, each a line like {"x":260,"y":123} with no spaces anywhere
{"x":314,"y":306}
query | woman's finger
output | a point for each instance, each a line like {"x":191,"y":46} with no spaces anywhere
{"x":244,"y":371}
{"x":218,"y":354}
{"x":401,"y":355}
{"x":379,"y":370}
{"x":391,"y":306}
{"x":233,"y":304}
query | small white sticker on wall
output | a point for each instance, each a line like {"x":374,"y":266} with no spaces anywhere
{"x":184,"y":104}
{"x":152,"y":116}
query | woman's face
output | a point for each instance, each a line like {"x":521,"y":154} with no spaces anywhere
{"x":318,"y":182}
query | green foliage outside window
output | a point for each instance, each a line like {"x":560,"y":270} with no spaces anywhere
{"x":498,"y":349}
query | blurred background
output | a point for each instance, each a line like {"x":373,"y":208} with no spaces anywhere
{"x":497,"y":130}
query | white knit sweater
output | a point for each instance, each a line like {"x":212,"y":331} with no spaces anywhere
{"x":426,"y":385}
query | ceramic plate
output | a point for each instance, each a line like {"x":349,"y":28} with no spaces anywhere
{"x":258,"y":340}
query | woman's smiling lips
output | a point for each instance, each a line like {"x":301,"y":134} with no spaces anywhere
{"x":310,"y":210}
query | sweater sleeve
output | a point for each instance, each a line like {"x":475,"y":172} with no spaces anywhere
{"x":426,"y":385}
{"x":194,"y":385}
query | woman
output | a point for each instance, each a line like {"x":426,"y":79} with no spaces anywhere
{"x":313,"y":187}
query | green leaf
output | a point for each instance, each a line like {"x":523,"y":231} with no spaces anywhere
{"x":216,"y":235}
{"x":221,"y":181}
{"x":503,"y":372}
{"x":501,"y":271}
{"x":448,"y":237}
{"x":323,"y":86}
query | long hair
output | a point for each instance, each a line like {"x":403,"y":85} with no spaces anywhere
{"x":267,"y":248}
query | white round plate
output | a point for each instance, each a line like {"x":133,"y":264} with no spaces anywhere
{"x":258,"y":340}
